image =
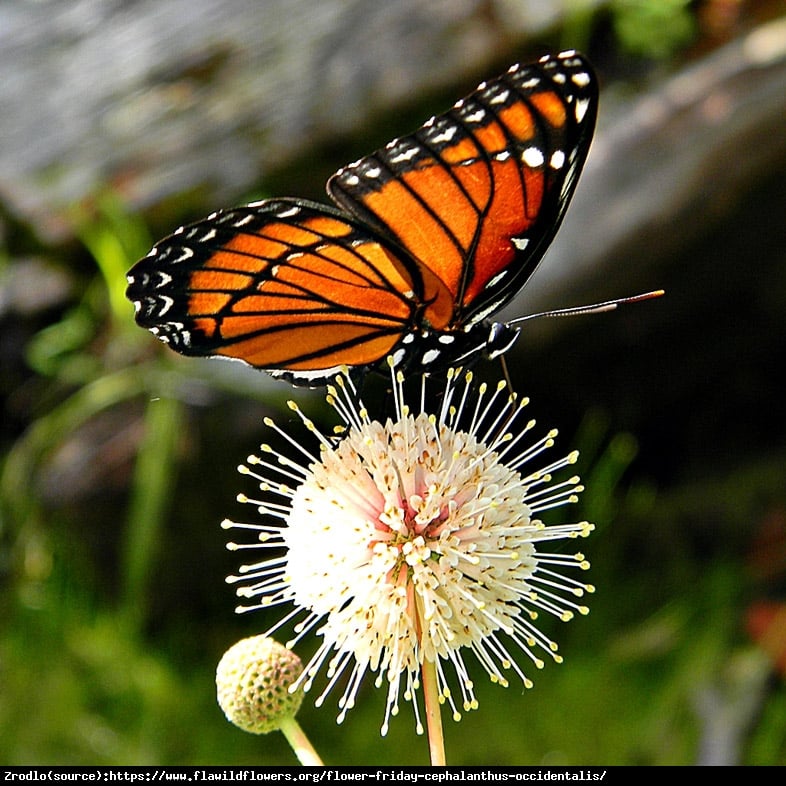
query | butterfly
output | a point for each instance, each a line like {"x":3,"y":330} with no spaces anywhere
{"x":428,"y":237}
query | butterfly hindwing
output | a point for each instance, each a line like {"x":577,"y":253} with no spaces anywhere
{"x":281,"y":284}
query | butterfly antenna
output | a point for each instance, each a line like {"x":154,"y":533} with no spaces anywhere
{"x":595,"y":308}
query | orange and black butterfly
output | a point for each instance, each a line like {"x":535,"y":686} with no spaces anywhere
{"x":430,"y":236}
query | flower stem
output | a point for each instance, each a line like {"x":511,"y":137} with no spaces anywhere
{"x":304,"y":750}
{"x":436,"y":740}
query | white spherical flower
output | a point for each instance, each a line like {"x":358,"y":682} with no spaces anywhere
{"x":415,"y":540}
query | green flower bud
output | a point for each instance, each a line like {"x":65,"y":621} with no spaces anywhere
{"x":252,"y":682}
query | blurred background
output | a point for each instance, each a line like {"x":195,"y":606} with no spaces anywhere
{"x":122,"y":121}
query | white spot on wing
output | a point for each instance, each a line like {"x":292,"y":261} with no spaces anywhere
{"x":496,"y":279}
{"x":481,"y":315}
{"x":313,"y":376}
{"x":581,"y":109}
{"x":532,"y":157}
{"x":581,"y":78}
{"x":166,"y":304}
{"x":185,"y":254}
{"x":446,"y":136}
{"x":406,"y":155}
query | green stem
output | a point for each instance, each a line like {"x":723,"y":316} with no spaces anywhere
{"x":304,"y":750}
{"x":153,"y":482}
{"x":436,"y":740}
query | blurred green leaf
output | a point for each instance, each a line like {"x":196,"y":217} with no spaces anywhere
{"x":653,"y":28}
{"x":116,"y":239}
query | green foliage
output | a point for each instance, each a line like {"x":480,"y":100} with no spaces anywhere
{"x":653,"y":28}
{"x":80,"y":688}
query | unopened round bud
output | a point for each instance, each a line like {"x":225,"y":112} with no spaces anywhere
{"x":252,"y":681}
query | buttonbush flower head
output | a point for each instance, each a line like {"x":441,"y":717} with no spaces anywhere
{"x":414,"y":542}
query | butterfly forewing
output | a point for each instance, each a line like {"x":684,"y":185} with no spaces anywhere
{"x":476,"y":194}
